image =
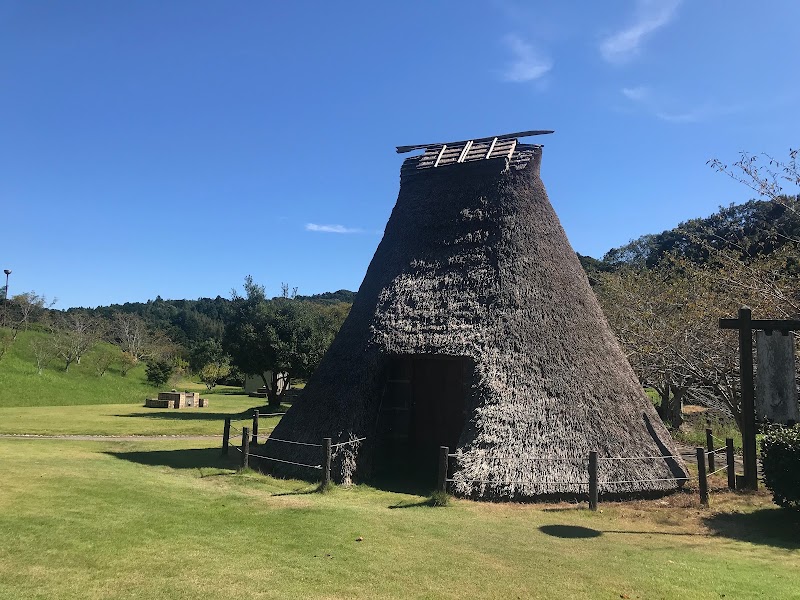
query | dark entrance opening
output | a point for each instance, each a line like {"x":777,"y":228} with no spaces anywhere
{"x":423,"y":407}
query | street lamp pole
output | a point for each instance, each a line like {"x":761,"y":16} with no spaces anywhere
{"x":5,"y":295}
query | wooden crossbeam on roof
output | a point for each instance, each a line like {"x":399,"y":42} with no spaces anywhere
{"x":505,"y":136}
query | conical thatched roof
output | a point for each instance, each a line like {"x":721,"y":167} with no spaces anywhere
{"x":474,"y":263}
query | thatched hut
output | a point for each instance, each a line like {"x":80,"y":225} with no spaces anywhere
{"x":475,"y":328}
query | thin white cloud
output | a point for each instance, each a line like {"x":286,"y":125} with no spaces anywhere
{"x":669,"y":109}
{"x":703,"y":112}
{"x":332,"y":228}
{"x":651,"y":15}
{"x":527,"y":64}
{"x":636,"y":93}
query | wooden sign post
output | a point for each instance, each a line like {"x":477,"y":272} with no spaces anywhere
{"x":745,"y":324}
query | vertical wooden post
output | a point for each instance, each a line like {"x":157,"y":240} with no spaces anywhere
{"x":326,"y":463}
{"x":701,"y":476}
{"x":226,"y":436}
{"x":245,"y":447}
{"x":731,"y":464}
{"x":748,"y":409}
{"x":255,"y":426}
{"x":443,"y":460}
{"x":710,"y":447}
{"x":593,"y":495}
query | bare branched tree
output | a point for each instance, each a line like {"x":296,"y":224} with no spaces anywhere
{"x":767,"y":176}
{"x":43,"y":353}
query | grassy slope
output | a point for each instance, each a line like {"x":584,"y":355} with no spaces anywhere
{"x":167,"y":520}
{"x":20,"y":385}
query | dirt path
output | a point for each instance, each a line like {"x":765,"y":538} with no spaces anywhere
{"x":102,"y":438}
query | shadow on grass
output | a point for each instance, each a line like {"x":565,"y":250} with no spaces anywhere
{"x":570,"y":531}
{"x":429,"y":502}
{"x":300,"y":492}
{"x":410,"y":485}
{"x":193,"y":458}
{"x":768,"y":526}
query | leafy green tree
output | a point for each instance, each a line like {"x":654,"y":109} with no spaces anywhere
{"x":282,"y":335}
{"x":214,"y":372}
{"x":158,"y":372}
{"x":205,"y":352}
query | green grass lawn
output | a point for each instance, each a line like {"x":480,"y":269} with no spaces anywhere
{"x":126,"y":419}
{"x":171,"y":519}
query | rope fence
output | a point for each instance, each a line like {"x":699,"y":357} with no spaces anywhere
{"x":517,"y":481}
{"x":594,"y":483}
{"x":272,"y":439}
{"x":326,"y":447}
{"x":347,"y":443}
{"x":287,"y":462}
{"x":702,"y":455}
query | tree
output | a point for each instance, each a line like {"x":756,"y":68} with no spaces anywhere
{"x":6,"y":341}
{"x":282,"y":335}
{"x":205,"y":352}
{"x":132,"y":335}
{"x":158,"y":372}
{"x":126,"y":363}
{"x":103,"y":360}
{"x":77,"y":333}
{"x":25,"y":308}
{"x":43,"y":353}
{"x":767,"y":176}
{"x":214,"y":372}
{"x":667,"y":320}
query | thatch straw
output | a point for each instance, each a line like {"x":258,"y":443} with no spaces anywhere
{"x":474,"y":263}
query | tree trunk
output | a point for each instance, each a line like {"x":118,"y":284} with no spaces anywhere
{"x":663,"y":410}
{"x":676,"y":406}
{"x":272,"y":392}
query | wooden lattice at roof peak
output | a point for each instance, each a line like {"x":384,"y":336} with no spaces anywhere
{"x":448,"y":153}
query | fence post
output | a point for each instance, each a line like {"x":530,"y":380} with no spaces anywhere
{"x":226,"y":436}
{"x":255,"y":426}
{"x":731,"y":464}
{"x":593,"y":495}
{"x":245,"y":447}
{"x":701,"y":476}
{"x":443,"y":460}
{"x":326,"y":463}
{"x":710,"y":446}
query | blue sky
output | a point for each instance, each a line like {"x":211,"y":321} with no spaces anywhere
{"x":174,"y":147}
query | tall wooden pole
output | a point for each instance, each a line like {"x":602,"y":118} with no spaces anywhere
{"x":593,"y":495}
{"x":710,"y":449}
{"x":731,"y":464}
{"x":255,"y":427}
{"x":441,"y":485}
{"x":226,"y":436}
{"x":326,"y":463}
{"x":245,"y":447}
{"x":701,"y":476}
{"x":747,"y":391}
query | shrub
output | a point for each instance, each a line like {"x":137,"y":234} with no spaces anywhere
{"x":439,"y":498}
{"x":159,"y":371}
{"x":780,"y":455}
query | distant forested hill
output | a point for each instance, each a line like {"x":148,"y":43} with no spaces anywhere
{"x":753,"y":229}
{"x":187,"y":322}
